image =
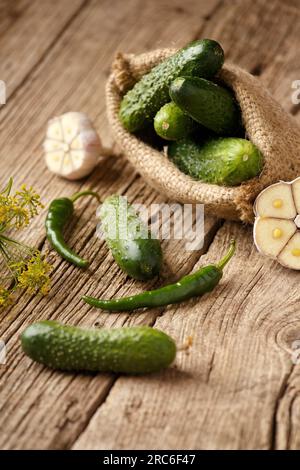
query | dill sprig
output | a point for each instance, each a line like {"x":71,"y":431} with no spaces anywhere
{"x":25,"y":267}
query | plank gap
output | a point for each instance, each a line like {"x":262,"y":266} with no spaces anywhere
{"x":282,"y":392}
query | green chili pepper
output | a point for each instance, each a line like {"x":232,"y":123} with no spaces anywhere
{"x":192,"y":285}
{"x":59,"y":213}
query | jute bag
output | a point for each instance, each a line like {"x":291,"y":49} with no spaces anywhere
{"x":267,"y":125}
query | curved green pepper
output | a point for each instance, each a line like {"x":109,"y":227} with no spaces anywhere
{"x":59,"y":213}
{"x":193,"y":285}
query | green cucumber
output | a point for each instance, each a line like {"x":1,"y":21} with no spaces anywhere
{"x":171,"y":123}
{"x":134,"y":350}
{"x":225,"y":161}
{"x":211,"y":105}
{"x":129,"y":239}
{"x":139,"y":106}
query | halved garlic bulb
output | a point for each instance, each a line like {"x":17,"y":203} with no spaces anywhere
{"x":277,"y":222}
{"x":72,"y":146}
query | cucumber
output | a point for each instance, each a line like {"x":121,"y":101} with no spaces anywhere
{"x":129,"y":239}
{"x":171,"y":123}
{"x":226,"y":161}
{"x":134,"y":350}
{"x":139,"y":106}
{"x":211,"y":105}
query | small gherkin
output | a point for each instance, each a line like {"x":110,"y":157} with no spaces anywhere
{"x":131,"y":350}
{"x":224,"y":161}
{"x":131,"y":243}
{"x":202,"y":58}
{"x":171,"y":123}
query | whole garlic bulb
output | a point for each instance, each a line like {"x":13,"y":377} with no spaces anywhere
{"x":72,"y":145}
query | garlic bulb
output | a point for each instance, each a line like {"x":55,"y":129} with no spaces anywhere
{"x":277,"y":223}
{"x":72,"y":145}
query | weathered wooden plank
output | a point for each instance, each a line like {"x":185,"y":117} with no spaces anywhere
{"x":69,"y":402}
{"x":282,"y":73}
{"x":265,"y":46}
{"x":31,"y":395}
{"x":293,"y":4}
{"x":10,"y":13}
{"x":238,"y":376}
{"x":286,"y":435}
{"x":28,"y":30}
{"x":84,"y":63}
{"x":251,"y":33}
{"x":225,"y":386}
{"x":279,"y":76}
{"x":66,"y":389}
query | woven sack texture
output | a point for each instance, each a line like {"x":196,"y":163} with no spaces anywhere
{"x":267,"y":125}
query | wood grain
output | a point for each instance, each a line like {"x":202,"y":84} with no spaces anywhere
{"x":237,"y":386}
{"x":225,"y":386}
{"x":27,"y":32}
{"x":10,"y":13}
{"x":44,"y":403}
{"x":226,"y":400}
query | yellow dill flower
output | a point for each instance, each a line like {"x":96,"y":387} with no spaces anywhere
{"x":5,"y":296}
{"x":27,"y":268}
{"x":20,"y":216}
{"x":12,"y":213}
{"x":30,"y":199}
{"x":33,"y":274}
{"x":6,"y":212}
{"x":17,"y":210}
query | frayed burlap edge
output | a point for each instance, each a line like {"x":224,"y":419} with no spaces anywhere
{"x":267,"y":125}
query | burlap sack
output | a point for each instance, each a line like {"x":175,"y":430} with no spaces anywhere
{"x":267,"y":125}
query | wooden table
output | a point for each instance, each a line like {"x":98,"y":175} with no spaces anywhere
{"x":237,"y":387}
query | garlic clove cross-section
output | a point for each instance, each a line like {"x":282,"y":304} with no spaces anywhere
{"x":72,"y":146}
{"x":276,"y":229}
{"x":290,"y":255}
{"x":276,"y":201}
{"x":296,"y":193}
{"x":271,"y":235}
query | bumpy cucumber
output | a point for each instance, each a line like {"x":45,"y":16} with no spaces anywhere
{"x":171,"y":123}
{"x":129,"y":239}
{"x":211,"y":105}
{"x":202,"y":58}
{"x":135,"y":350}
{"x":224,"y":161}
